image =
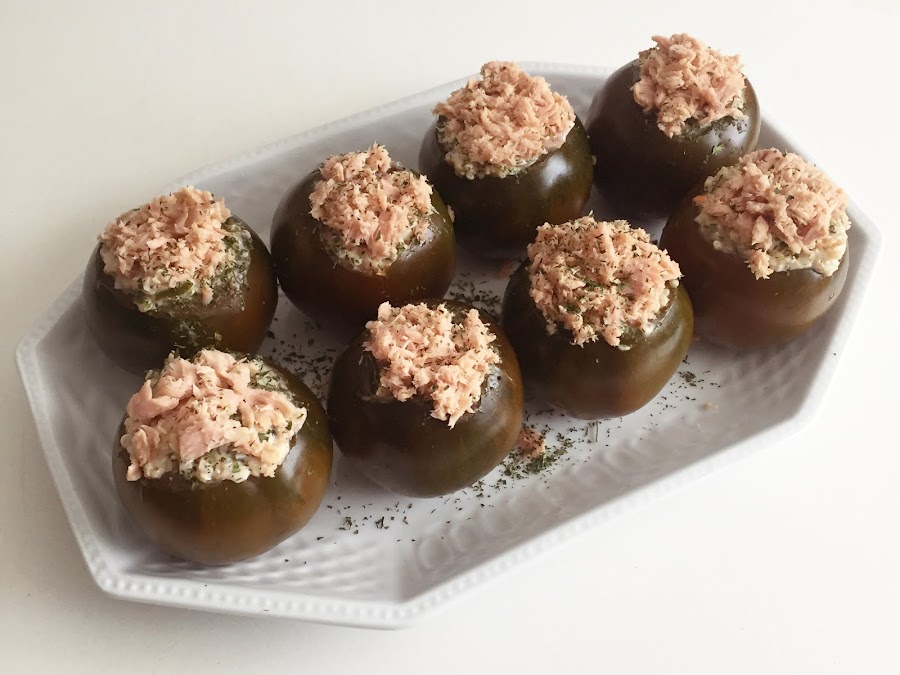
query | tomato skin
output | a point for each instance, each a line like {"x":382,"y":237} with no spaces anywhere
{"x":328,"y":291}
{"x":498,"y":217}
{"x":401,"y":447}
{"x":224,"y":522}
{"x":641,"y":172}
{"x":138,"y":341}
{"x":595,"y":380}
{"x":732,"y":307}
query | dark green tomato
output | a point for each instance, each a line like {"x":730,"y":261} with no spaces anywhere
{"x":327,"y":289}
{"x":731,"y":306}
{"x":400,"y":446}
{"x":595,"y":380}
{"x":224,"y":521}
{"x":643,"y":173}
{"x":497,"y":217}
{"x":139,"y":341}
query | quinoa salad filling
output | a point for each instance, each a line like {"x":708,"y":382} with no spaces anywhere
{"x":684,"y":81}
{"x":776,"y":212}
{"x":600,"y":280}
{"x":432,"y":354}
{"x":214,"y":418}
{"x":179,"y":248}
{"x":502,"y":123}
{"x":372,"y":208}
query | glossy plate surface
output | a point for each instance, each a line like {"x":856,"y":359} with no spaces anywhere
{"x":369,"y":558}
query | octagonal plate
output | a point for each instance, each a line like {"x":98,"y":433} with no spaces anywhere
{"x":370,"y":558}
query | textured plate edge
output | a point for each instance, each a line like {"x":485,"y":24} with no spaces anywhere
{"x":26,"y":363}
{"x":399,"y":615}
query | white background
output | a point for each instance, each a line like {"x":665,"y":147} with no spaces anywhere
{"x":788,"y":562}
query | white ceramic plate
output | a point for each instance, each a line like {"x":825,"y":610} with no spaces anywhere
{"x":370,"y":558}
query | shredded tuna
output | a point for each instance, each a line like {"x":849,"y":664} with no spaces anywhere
{"x":372,"y":208}
{"x":502,"y":123}
{"x":683,"y":79}
{"x":177,"y":241}
{"x":427,"y":352}
{"x":777,"y":212}
{"x":213,"y":418}
{"x":531,"y":443}
{"x":598,"y":279}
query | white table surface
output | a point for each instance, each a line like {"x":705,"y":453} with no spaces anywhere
{"x":788,"y":562}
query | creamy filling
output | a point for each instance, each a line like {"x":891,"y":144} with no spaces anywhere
{"x":430,"y":353}
{"x":215,"y":466}
{"x":777,"y":213}
{"x":372,"y":209}
{"x":502,"y":123}
{"x":599,"y":279}
{"x":216,"y":417}
{"x":683,"y":80}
